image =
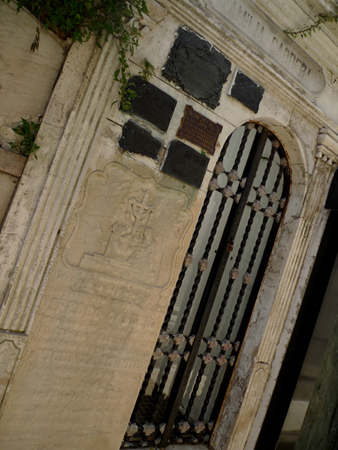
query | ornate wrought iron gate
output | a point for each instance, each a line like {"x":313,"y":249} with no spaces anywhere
{"x":201,"y":335}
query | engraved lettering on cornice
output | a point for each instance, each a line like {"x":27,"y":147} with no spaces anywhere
{"x":128,"y":227}
{"x":264,"y":34}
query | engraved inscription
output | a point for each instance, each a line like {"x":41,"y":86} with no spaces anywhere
{"x":151,"y":103}
{"x":185,"y":164}
{"x":82,"y":347}
{"x":197,"y":67}
{"x":124,"y":227}
{"x":247,"y":91}
{"x":199,"y":130}
{"x":264,"y":33}
{"x":99,"y":315}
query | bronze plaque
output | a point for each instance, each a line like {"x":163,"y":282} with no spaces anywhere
{"x":199,"y":130}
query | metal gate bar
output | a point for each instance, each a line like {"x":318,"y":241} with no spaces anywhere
{"x":207,"y":357}
{"x":187,"y":349}
{"x":248,"y":128}
{"x":244,"y":284}
{"x":210,"y":291}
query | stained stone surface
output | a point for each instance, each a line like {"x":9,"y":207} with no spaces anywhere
{"x":197,"y":67}
{"x":27,"y":79}
{"x":8,"y":184}
{"x":185,"y":163}
{"x":151,"y":103}
{"x":8,"y":355}
{"x":99,"y":316}
{"x":138,"y":140}
{"x":247,"y":91}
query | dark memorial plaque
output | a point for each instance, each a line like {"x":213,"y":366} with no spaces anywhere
{"x":138,"y":140}
{"x":185,"y":163}
{"x":199,"y":130}
{"x":151,"y":103}
{"x":247,"y":91}
{"x":197,"y":67}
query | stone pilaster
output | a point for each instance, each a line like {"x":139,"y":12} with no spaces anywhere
{"x":326,"y":158}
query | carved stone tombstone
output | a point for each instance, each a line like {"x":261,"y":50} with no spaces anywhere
{"x":99,"y":315}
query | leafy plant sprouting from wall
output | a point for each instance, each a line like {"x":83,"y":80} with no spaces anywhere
{"x":28,"y":131}
{"x":307,"y":30}
{"x":81,"y":19}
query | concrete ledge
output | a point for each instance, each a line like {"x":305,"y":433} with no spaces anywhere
{"x":12,"y":163}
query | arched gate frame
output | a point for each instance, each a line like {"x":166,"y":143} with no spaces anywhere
{"x":215,"y":293}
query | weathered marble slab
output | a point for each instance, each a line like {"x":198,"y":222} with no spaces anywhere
{"x":9,"y":353}
{"x":151,"y":103}
{"x":137,"y":139}
{"x":197,"y":67}
{"x":99,"y":316}
{"x":246,"y":91}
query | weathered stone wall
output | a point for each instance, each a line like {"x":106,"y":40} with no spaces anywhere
{"x":11,"y":167}
{"x":98,"y":229}
{"x":27,"y":79}
{"x":26,"y":84}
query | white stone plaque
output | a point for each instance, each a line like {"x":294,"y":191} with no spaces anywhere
{"x":99,"y":318}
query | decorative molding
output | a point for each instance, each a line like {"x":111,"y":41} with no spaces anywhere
{"x":327,"y":146}
{"x":256,"y":27}
{"x":313,"y":204}
{"x":156,"y":13}
{"x":330,"y":6}
{"x":25,"y":290}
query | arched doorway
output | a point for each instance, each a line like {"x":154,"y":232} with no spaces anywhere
{"x":215,"y":293}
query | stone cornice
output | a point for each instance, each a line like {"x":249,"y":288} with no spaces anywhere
{"x":244,"y":57}
{"x":323,"y":45}
{"x":327,"y":146}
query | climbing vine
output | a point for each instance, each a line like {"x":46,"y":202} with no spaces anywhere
{"x":307,"y":30}
{"x":78,"y":20}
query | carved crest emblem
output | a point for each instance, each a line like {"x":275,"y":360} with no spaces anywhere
{"x":128,"y":226}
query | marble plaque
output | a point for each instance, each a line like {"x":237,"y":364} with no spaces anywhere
{"x":265,"y":35}
{"x":247,"y":91}
{"x":136,"y":139}
{"x":99,"y":317}
{"x":151,"y":103}
{"x":199,"y":130}
{"x":185,"y":163}
{"x":197,"y":67}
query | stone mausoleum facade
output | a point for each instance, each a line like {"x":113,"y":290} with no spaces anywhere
{"x":154,"y":262}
